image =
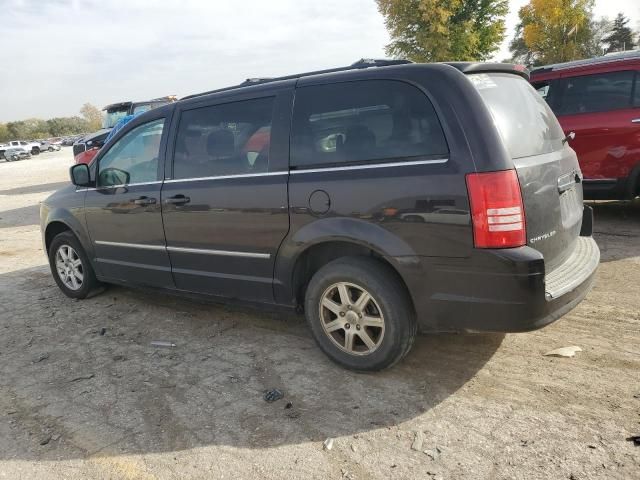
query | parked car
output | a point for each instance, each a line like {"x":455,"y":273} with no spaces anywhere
{"x":12,"y":154}
{"x":32,"y":147}
{"x":599,"y":101}
{"x":49,"y":147}
{"x":85,"y":148}
{"x":309,"y":216}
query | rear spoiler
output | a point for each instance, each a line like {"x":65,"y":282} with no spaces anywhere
{"x":481,"y":67}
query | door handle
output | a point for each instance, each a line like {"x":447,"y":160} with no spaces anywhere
{"x":635,"y":120}
{"x":144,"y":201}
{"x":177,"y":200}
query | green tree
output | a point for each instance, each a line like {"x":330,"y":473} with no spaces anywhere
{"x":62,"y":126}
{"x":4,"y":133}
{"x":597,"y":44}
{"x":30,"y":129}
{"x":444,"y":30}
{"x":92,"y":115}
{"x":621,"y":36}
{"x":520,"y":52}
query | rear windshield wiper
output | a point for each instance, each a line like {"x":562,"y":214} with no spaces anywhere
{"x":570,"y":136}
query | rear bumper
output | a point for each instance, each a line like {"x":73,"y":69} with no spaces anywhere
{"x":502,"y":290}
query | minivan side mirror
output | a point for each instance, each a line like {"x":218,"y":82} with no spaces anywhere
{"x":80,"y":175}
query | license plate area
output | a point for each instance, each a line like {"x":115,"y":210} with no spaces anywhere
{"x":570,"y":207}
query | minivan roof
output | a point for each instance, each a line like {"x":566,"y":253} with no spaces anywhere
{"x":608,"y":58}
{"x":464,"y":67}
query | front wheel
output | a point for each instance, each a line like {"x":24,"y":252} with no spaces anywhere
{"x":70,"y":266}
{"x":50,"y":149}
{"x":360,"y":314}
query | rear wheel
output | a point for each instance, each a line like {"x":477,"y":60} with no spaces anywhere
{"x":360,"y":314}
{"x":70,"y":266}
{"x":50,"y":149}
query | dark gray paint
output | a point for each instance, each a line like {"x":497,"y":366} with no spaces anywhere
{"x":388,"y":210}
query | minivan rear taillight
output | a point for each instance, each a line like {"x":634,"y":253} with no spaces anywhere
{"x":497,"y":212}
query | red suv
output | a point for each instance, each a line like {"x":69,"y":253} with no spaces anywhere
{"x":599,"y":100}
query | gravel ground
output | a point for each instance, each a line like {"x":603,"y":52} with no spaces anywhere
{"x":83,"y":394}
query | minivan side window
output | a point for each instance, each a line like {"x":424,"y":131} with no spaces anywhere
{"x":596,"y":93}
{"x":133,"y":158}
{"x":224,"y":139}
{"x":363,"y":121}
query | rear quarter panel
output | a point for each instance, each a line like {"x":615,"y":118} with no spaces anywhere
{"x":394,"y":210}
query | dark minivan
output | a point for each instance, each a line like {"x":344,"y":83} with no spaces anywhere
{"x":380,"y":198}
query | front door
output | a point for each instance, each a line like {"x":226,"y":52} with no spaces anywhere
{"x":225,"y":205}
{"x":123,"y":211}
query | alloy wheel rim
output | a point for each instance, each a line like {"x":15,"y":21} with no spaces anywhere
{"x":351,"y":318}
{"x":69,"y":267}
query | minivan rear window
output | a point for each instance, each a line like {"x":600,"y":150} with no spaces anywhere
{"x":526,"y":123}
{"x":225,"y":139}
{"x":363,"y":121}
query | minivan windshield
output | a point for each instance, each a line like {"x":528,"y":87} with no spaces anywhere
{"x":526,"y":123}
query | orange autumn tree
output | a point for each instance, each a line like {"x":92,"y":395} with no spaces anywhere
{"x":556,"y":30}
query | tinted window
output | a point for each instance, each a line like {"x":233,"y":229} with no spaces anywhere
{"x":548,"y":89}
{"x":133,"y":158}
{"x":596,"y":93}
{"x":228,"y":139}
{"x":363,"y":121}
{"x":525,"y":122}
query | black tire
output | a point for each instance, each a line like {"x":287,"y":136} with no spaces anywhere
{"x":50,"y":149}
{"x":391,"y":301}
{"x":35,"y":151}
{"x":89,"y":282}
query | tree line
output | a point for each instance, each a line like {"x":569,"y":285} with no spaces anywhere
{"x":89,"y":120}
{"x":549,"y":31}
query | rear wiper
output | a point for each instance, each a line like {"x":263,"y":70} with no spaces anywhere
{"x":570,"y":136}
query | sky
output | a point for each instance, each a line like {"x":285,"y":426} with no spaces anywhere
{"x":59,"y":54}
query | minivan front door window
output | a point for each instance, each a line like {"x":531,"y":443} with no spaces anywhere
{"x":133,"y":158}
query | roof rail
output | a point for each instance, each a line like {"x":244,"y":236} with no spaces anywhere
{"x":608,"y":58}
{"x":362,"y":63}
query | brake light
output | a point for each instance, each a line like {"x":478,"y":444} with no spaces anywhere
{"x":497,"y":212}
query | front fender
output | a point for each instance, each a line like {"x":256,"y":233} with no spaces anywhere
{"x":74,"y":220}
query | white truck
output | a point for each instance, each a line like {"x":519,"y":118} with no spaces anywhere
{"x":31,"y":147}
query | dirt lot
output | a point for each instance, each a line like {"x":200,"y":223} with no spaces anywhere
{"x":83,"y":394}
